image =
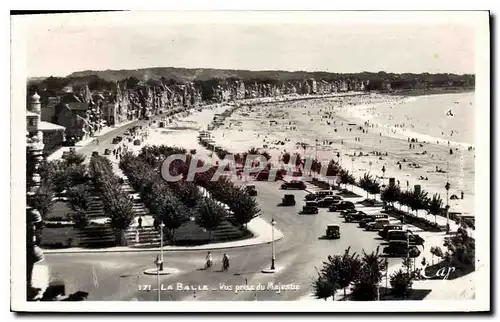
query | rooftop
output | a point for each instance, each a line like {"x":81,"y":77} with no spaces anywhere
{"x":47,"y":126}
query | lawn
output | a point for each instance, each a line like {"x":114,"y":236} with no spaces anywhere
{"x":61,"y":212}
{"x":59,"y":237}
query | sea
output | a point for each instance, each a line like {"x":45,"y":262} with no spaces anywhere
{"x":441,"y":117}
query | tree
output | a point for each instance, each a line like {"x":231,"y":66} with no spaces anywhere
{"x":187,"y":192}
{"x":346,"y":178}
{"x":43,"y":200}
{"x":365,"y":183}
{"x":370,"y":275}
{"x":435,"y":206}
{"x":461,"y":249}
{"x":404,"y":199}
{"x":417,"y":200}
{"x":73,"y":158}
{"x":119,"y":208}
{"x":80,"y":218}
{"x":401,"y":283}
{"x":75,"y":174}
{"x":338,"y":272}
{"x":244,"y":208}
{"x":79,"y":197}
{"x":173,"y":214}
{"x":374,"y":188}
{"x":390,"y":194}
{"x":324,"y":288}
{"x":210,"y":215}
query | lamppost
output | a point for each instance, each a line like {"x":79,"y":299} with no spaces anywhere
{"x":273,"y":259}
{"x":447,"y":187}
{"x":162,"y":225}
{"x":158,"y":263}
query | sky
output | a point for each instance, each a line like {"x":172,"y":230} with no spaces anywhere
{"x":59,"y":45}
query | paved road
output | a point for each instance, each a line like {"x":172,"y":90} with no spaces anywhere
{"x":117,"y":276}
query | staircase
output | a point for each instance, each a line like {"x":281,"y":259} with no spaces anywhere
{"x":148,"y":237}
{"x":97,"y":236}
{"x":95,"y":207}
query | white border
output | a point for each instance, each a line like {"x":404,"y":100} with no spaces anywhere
{"x":478,"y":20}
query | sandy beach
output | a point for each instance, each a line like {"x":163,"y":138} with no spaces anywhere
{"x":363,"y":124}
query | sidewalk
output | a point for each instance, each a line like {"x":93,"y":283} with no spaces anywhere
{"x":261,"y":229}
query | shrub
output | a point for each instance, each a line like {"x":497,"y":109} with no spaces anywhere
{"x":401,"y":283}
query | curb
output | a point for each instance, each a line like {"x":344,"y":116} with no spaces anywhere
{"x":278,"y":236}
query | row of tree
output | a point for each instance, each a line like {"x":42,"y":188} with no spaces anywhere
{"x":363,"y":274}
{"x":242,"y":206}
{"x":117,"y":204}
{"x":175,"y":202}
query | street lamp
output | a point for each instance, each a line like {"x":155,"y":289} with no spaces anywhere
{"x":158,"y":263}
{"x":161,"y":246}
{"x":273,"y":222}
{"x":447,"y":187}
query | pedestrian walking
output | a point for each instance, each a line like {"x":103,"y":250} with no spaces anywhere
{"x":139,"y":221}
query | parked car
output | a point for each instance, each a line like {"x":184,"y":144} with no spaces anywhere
{"x":356,"y":216}
{"x":371,"y":203}
{"x":344,"y":213}
{"x":322,"y":194}
{"x":325,"y":193}
{"x":378,"y":224}
{"x":364,"y":222}
{"x":383,"y":233}
{"x":251,"y":190}
{"x":327,"y":201}
{"x":294,"y":184}
{"x":288,"y":200}
{"x":401,"y":248}
{"x":343,"y":205}
{"x":333,"y":232}
{"x":311,"y":197}
{"x":95,"y":153}
{"x":405,"y":235}
{"x":310,"y":208}
{"x":107,"y":152}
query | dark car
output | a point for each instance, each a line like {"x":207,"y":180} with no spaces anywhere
{"x":355,"y":217}
{"x":371,"y":218}
{"x":311,"y":197}
{"x":343,"y":205}
{"x":310,"y":208}
{"x":107,"y":152}
{"x":344,"y":213}
{"x":327,"y":201}
{"x":404,"y":235}
{"x":383,"y":232}
{"x":117,"y":139}
{"x":333,"y":232}
{"x":288,"y":200}
{"x":401,"y":248}
{"x":294,"y":184}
